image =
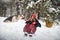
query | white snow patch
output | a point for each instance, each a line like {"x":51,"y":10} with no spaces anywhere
{"x":14,"y":31}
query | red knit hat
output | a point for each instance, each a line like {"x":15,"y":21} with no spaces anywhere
{"x":34,"y":15}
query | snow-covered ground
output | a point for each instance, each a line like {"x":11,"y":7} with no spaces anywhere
{"x":14,"y":31}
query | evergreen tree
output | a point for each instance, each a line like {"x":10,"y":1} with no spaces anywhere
{"x":40,"y":7}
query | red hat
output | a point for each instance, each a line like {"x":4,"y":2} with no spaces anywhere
{"x":34,"y":15}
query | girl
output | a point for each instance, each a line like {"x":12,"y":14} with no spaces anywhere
{"x":31,"y":25}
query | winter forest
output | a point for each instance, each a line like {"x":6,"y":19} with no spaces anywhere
{"x":29,"y":19}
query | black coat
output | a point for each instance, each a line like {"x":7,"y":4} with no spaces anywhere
{"x":36,"y":25}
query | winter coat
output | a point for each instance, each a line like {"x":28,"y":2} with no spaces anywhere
{"x":36,"y":25}
{"x":30,"y":27}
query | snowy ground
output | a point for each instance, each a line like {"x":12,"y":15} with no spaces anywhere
{"x":14,"y":31}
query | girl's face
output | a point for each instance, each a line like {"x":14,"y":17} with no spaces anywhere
{"x":32,"y":17}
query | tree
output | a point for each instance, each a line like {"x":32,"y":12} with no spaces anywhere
{"x":40,"y":7}
{"x":56,"y":2}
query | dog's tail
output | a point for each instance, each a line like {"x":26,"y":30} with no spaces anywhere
{"x":8,"y":19}
{"x":4,"y":20}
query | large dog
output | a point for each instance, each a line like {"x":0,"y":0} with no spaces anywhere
{"x":13,"y":18}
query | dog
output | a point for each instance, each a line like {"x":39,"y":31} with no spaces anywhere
{"x":14,"y":18}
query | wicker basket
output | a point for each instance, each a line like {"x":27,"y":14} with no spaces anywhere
{"x":49,"y":24}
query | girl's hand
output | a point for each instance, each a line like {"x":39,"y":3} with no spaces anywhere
{"x":34,"y":23}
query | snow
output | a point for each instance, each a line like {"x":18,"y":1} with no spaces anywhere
{"x":32,"y":3}
{"x":37,"y":1}
{"x":53,"y":9}
{"x":14,"y":31}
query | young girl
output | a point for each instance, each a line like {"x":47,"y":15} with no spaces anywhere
{"x":31,"y":25}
